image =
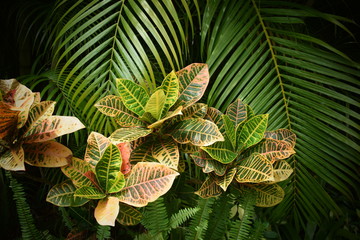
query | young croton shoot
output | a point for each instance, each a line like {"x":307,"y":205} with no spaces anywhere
{"x":27,"y":129}
{"x":166,"y":119}
{"x":249,"y":156}
{"x":99,"y":177}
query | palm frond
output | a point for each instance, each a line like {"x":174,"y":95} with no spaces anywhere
{"x":261,"y":54}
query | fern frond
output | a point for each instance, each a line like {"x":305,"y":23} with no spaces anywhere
{"x":219,"y":218}
{"x":156,"y":219}
{"x":199,"y":222}
{"x":66,"y":218}
{"x":182,"y":216}
{"x":241,"y":229}
{"x":103,"y":232}
{"x":27,"y":225}
{"x":258,"y":230}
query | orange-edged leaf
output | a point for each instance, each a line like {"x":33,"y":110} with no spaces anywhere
{"x":128,"y":215}
{"x":52,"y":127}
{"x":146,"y":182}
{"x":193,"y":82}
{"x":197,"y":131}
{"x":251,"y":132}
{"x":125,"y":151}
{"x":237,"y":112}
{"x":8,"y":120}
{"x":214,"y":115}
{"x":170,"y":86}
{"x":268,"y":195}
{"x":106,"y":211}
{"x":202,"y":159}
{"x":47,"y":154}
{"x":155,"y":104}
{"x":272,"y":149}
{"x":96,"y":145}
{"x":255,"y":169}
{"x":18,"y":95}
{"x":282,"y":171}
{"x":224,"y":181}
{"x":221,"y":151}
{"x":133,"y":96}
{"x":13,"y":159}
{"x":170,"y":115}
{"x":62,"y":195}
{"x":128,"y":134}
{"x":143,"y":153}
{"x":209,"y":189}
{"x":38,"y":112}
{"x":77,"y":171}
{"x":166,"y":152}
{"x":282,"y":135}
{"x":108,"y":168}
{"x":89,"y":193}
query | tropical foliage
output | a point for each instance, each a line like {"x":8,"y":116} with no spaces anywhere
{"x":262,"y":52}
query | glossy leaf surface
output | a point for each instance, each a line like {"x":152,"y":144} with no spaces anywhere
{"x":156,"y":103}
{"x":170,"y":86}
{"x":166,"y":152}
{"x":128,"y":134}
{"x":133,"y":96}
{"x":128,"y":215}
{"x":237,"y":112}
{"x":106,"y":211}
{"x":209,"y":189}
{"x":77,"y":172}
{"x":268,"y":195}
{"x":62,"y":195}
{"x":13,"y":159}
{"x":252,"y":131}
{"x":96,"y":146}
{"x":255,"y":169}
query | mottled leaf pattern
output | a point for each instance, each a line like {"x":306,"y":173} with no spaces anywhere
{"x":282,"y":135}
{"x":209,"y":189}
{"x":282,"y":171}
{"x":62,"y":195}
{"x":272,"y":149}
{"x":89,"y":193}
{"x":96,"y":146}
{"x":13,"y":159}
{"x":38,"y":112}
{"x":221,"y":151}
{"x":106,"y":211}
{"x":143,"y":153}
{"x":147,"y":181}
{"x":52,"y":127}
{"x":237,"y":112}
{"x":170,"y":85}
{"x":128,"y":215}
{"x":47,"y":154}
{"x":224,"y":181}
{"x":77,"y":172}
{"x":118,"y":183}
{"x":166,"y":152}
{"x":156,"y":103}
{"x":197,"y":110}
{"x":24,"y":110}
{"x":255,"y":169}
{"x":193,"y":82}
{"x":197,"y":131}
{"x":108,"y":167}
{"x":214,"y":115}
{"x":128,"y":134}
{"x":8,"y":120}
{"x":268,"y":195}
{"x":133,"y":96}
{"x":170,"y":115}
{"x":188,"y":148}
{"x":202,"y":159}
{"x":252,"y":131}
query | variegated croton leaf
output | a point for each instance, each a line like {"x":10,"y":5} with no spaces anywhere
{"x":27,"y":129}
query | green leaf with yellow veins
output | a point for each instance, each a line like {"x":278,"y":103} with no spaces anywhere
{"x":221,"y":151}
{"x":170,"y":85}
{"x":156,"y":103}
{"x":209,"y":189}
{"x":133,"y":96}
{"x":169,"y":115}
{"x":255,"y":169}
{"x":166,"y":152}
{"x":89,"y":193}
{"x":237,"y":112}
{"x":128,"y":215}
{"x":96,"y":146}
{"x":77,"y":172}
{"x":62,"y":195}
{"x":230,"y":130}
{"x":268,"y":195}
{"x":128,"y":134}
{"x":251,"y":132}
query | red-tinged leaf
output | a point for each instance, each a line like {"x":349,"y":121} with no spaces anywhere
{"x":106,"y":211}
{"x":193,"y":82}
{"x":47,"y":154}
{"x":282,"y":135}
{"x":125,"y":151}
{"x":128,"y":215}
{"x":146,"y":182}
{"x":38,"y":112}
{"x":209,"y":189}
{"x":237,"y":112}
{"x":208,"y":164}
{"x":8,"y":120}
{"x":77,"y":171}
{"x":52,"y":127}
{"x":166,"y":152}
{"x":13,"y":159}
{"x":96,"y":145}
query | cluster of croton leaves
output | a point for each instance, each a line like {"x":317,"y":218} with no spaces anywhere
{"x":249,"y":157}
{"x":27,"y":129}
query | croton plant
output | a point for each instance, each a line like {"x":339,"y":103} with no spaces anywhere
{"x":27,"y":129}
{"x":250,"y":157}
